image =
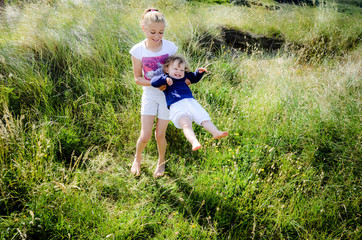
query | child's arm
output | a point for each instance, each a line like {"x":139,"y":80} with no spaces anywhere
{"x":158,"y":81}
{"x":137,"y":73}
{"x":194,"y":77}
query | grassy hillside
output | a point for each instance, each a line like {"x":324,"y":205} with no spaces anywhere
{"x":290,"y":169}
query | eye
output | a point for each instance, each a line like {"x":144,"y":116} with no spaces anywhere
{"x":161,"y":32}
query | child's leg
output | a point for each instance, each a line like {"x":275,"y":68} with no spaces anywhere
{"x":160,"y":135}
{"x":210,"y":127}
{"x":186,"y":124}
{"x":146,"y":133}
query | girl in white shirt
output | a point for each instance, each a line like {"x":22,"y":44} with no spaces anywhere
{"x":148,"y":56}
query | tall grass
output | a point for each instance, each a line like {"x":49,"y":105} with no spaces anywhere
{"x":290,"y":168}
{"x":328,"y":30}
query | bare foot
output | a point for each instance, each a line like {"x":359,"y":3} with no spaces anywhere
{"x":160,"y":171}
{"x":136,"y":167}
{"x":220,"y":135}
{"x":196,"y":145}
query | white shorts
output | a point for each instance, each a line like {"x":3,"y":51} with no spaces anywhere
{"x":154,"y":103}
{"x":189,"y":107}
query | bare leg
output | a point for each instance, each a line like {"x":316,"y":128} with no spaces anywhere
{"x":160,"y":135}
{"x":211,"y":128}
{"x":186,"y":124}
{"x":146,"y":133}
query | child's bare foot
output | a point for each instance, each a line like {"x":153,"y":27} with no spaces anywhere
{"x":160,"y":171}
{"x":136,"y":167}
{"x":196,"y":145}
{"x":220,"y":135}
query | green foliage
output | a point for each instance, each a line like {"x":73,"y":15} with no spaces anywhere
{"x":69,"y":120}
{"x":211,"y":1}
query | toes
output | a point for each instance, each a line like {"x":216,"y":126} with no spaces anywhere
{"x":157,"y":175}
{"x":135,"y":172}
{"x":196,"y":148}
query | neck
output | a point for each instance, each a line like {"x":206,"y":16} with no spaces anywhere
{"x":155,"y":47}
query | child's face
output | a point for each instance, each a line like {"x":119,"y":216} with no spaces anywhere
{"x":176,"y":70}
{"x":154,"y":32}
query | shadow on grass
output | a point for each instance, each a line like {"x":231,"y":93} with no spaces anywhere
{"x":208,"y":210}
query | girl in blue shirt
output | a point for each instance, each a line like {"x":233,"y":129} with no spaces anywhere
{"x":184,"y":109}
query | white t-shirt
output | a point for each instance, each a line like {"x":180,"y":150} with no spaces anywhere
{"x":152,"y":61}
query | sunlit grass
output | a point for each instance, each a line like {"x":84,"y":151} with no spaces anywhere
{"x":290,"y":167}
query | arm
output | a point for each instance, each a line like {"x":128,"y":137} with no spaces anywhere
{"x":137,"y":72}
{"x":194,"y":77}
{"x":158,"y":81}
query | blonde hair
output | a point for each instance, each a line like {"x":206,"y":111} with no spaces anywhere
{"x":173,"y":58}
{"x":152,"y":15}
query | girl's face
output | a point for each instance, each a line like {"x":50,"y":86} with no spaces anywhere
{"x":154,"y":32}
{"x":176,"y":70}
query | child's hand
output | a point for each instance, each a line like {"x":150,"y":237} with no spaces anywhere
{"x":163,"y":87}
{"x":188,"y":82}
{"x":169,"y":81}
{"x":201,"y":70}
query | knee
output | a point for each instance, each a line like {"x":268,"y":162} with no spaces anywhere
{"x":144,"y":138}
{"x":160,"y":135}
{"x":185,"y":122}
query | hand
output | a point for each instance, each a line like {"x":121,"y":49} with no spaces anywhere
{"x":201,"y":70}
{"x":163,"y":87}
{"x":188,"y":82}
{"x":169,"y":81}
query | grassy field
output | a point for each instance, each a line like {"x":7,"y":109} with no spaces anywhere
{"x":290,"y":168}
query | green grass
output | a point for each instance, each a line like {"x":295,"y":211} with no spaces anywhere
{"x":290,"y":168}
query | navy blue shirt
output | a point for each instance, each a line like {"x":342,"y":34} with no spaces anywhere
{"x":179,"y":89}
